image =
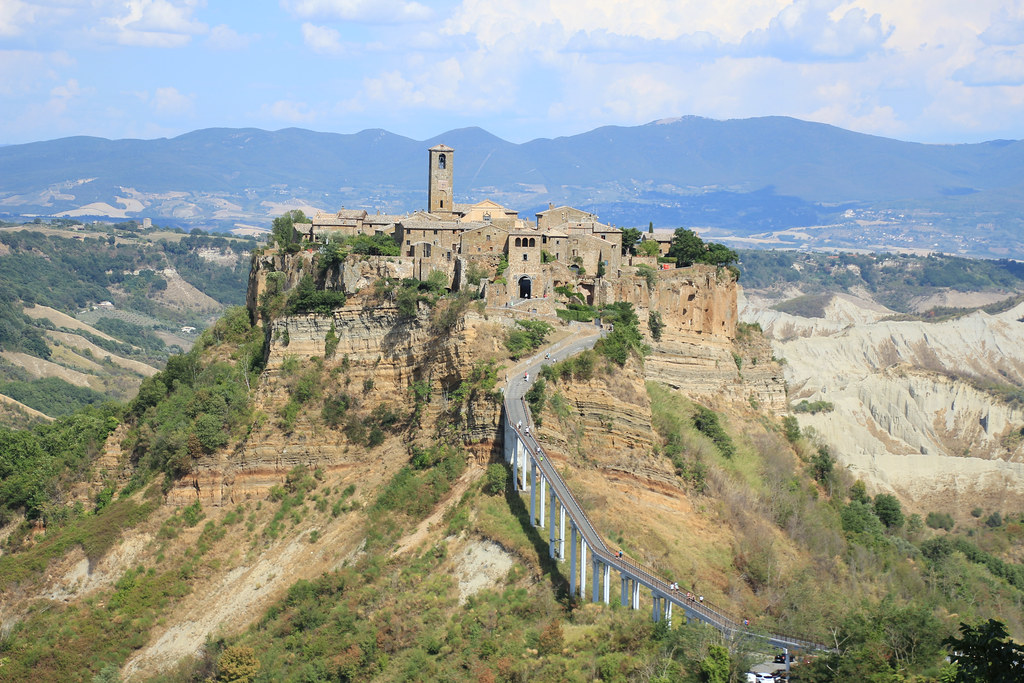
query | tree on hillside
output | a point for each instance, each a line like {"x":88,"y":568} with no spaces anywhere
{"x":688,"y":248}
{"x":630,"y":236}
{"x":283,"y":231}
{"x":985,"y":653}
{"x":888,"y":509}
{"x":648,"y":248}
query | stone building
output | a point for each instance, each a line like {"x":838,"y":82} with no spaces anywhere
{"x":564,"y":245}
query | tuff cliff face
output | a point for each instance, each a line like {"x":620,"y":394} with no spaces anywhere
{"x":608,"y":414}
{"x":909,"y":414}
{"x":700,"y":351}
{"x":379,"y":356}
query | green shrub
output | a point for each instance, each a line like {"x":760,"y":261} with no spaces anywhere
{"x":813,"y":407}
{"x":305,"y":298}
{"x":791,"y":428}
{"x":237,"y":664}
{"x":625,"y":338}
{"x":193,"y":514}
{"x":648,"y":274}
{"x":889,"y":510}
{"x":331,"y":342}
{"x":656,"y":325}
{"x":706,"y":422}
{"x":528,"y":339}
{"x":335,"y":408}
{"x":495,"y":479}
{"x":939,"y":520}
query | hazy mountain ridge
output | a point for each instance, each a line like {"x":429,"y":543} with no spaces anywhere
{"x":746,"y":177}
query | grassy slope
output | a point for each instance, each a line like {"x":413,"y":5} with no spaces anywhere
{"x":763,"y":537}
{"x":67,"y":269}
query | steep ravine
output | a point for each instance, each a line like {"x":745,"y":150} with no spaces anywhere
{"x":909,"y":416}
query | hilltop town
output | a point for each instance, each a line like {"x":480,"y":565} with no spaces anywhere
{"x":562,"y":245}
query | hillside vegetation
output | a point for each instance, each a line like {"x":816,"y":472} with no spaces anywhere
{"x":901,"y":282}
{"x":53,"y":278}
{"x":370,"y":532}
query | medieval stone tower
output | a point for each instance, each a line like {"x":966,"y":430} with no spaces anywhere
{"x":439,"y":186}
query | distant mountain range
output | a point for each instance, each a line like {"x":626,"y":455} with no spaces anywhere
{"x":760,"y":181}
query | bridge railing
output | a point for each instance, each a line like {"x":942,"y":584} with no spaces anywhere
{"x":720,"y":618}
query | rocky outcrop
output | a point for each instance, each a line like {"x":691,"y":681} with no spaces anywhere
{"x":350,"y":276}
{"x":379,"y":355}
{"x":909,"y":415}
{"x":605,"y":421}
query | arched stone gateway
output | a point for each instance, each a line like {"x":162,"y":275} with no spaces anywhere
{"x":525,"y":287}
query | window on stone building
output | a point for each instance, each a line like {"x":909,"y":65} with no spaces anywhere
{"x":533,"y":242}
{"x":435,"y":232}
{"x":488,"y":238}
{"x":526,"y":257}
{"x":442,"y":163}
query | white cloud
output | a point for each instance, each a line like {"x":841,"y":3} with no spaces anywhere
{"x":1007,"y":27}
{"x":157,"y":23}
{"x":21,"y":71}
{"x":63,"y":94}
{"x":292,"y":112}
{"x":168,"y":101}
{"x":371,"y":11}
{"x":14,"y":16}
{"x":223,"y":37}
{"x":994,"y":66}
{"x":430,"y":88}
{"x":806,"y":31}
{"x":322,"y":39}
{"x":728,"y":20}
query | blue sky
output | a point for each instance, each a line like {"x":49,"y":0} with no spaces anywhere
{"x":925,"y":70}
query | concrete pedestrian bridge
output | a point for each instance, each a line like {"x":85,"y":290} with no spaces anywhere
{"x":551,"y":502}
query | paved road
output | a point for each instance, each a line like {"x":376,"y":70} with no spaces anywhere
{"x":517,"y":411}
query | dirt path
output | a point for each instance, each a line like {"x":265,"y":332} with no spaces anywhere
{"x":417,"y":537}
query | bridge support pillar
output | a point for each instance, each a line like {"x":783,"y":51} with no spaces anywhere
{"x":523,"y":459}
{"x":583,"y":568}
{"x":543,"y":492}
{"x":572,"y":560}
{"x":533,"y":492}
{"x":561,"y":533}
{"x":551,"y":523}
{"x":624,"y":590}
{"x":514,"y":458}
{"x":607,"y":583}
{"x":668,"y":612}
{"x":656,"y":608}
{"x":596,"y":592}
{"x":636,"y":594}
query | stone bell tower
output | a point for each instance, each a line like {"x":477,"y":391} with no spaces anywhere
{"x":439,"y":186}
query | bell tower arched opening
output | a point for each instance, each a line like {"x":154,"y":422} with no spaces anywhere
{"x":525,"y":287}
